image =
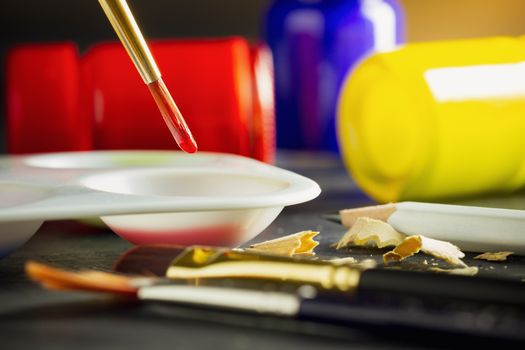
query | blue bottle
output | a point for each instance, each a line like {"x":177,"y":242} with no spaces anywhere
{"x":314,"y":44}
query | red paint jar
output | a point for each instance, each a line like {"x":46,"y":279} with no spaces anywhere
{"x":58,"y":101}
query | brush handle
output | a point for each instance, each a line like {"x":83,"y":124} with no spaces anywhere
{"x":382,"y":312}
{"x":128,"y":31}
{"x":441,"y":286}
{"x":251,"y":300}
{"x":154,"y":260}
{"x":397,"y":313}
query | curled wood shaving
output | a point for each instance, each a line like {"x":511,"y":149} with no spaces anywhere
{"x":366,"y":231}
{"x":495,"y":256}
{"x":413,"y":244}
{"x":463,"y":271}
{"x":300,"y":243}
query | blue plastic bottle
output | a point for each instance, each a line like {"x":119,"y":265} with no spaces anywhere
{"x":314,"y":44}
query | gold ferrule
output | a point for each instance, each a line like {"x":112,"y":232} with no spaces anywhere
{"x":206,"y":263}
{"x":128,"y":31}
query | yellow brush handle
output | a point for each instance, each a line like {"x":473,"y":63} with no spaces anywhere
{"x":128,"y":31}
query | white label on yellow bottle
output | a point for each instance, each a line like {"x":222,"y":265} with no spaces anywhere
{"x":479,"y":82}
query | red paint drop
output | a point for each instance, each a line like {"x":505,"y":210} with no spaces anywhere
{"x":172,"y":116}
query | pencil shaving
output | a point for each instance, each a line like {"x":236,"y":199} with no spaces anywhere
{"x":494,"y":256}
{"x":366,"y":264}
{"x":343,"y":261}
{"x":462,"y":271}
{"x":363,"y":264}
{"x":366,"y":231}
{"x":414,"y":244}
{"x":300,"y":243}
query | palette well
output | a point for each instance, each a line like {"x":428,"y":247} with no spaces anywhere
{"x":147,"y":196}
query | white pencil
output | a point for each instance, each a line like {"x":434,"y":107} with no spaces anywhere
{"x":474,"y":229}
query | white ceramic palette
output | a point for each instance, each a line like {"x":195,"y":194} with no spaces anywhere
{"x":147,"y":196}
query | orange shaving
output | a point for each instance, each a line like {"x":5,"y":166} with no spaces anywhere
{"x":413,"y":244}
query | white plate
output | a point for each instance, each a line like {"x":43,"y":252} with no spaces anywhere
{"x":149,"y":196}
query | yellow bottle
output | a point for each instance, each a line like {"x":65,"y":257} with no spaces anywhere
{"x":436,"y":120}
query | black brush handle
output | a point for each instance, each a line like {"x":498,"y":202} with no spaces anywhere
{"x":443,"y":286}
{"x":395,"y":314}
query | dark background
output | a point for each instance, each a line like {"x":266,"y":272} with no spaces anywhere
{"x":83,"y":22}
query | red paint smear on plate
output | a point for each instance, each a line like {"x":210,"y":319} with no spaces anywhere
{"x":216,"y":236}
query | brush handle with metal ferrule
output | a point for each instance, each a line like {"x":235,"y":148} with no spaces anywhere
{"x":131,"y":37}
{"x":382,"y":313}
{"x":156,"y":260}
{"x":128,"y":31}
{"x":198,"y":262}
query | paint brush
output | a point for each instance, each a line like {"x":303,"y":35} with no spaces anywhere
{"x":210,"y":263}
{"x":89,"y":280}
{"x":476,"y":229}
{"x":380,"y":312}
{"x":122,"y":20}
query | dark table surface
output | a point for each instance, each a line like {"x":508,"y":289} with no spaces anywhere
{"x":31,"y":317}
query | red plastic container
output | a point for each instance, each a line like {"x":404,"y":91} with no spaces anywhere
{"x":60,"y":102}
{"x":42,"y":87}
